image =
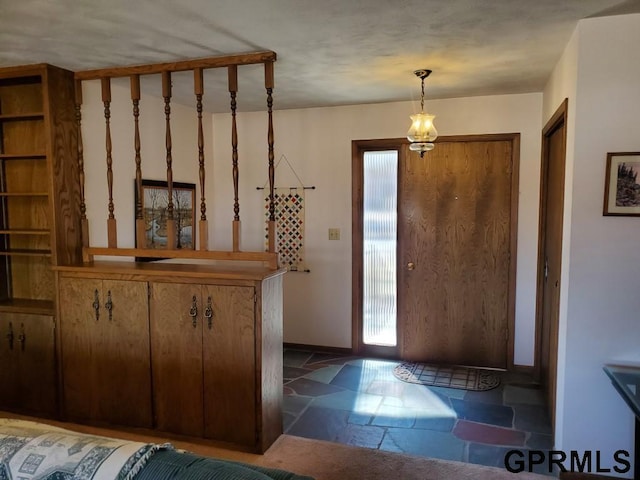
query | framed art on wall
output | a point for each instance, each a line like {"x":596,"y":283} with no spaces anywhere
{"x":155,"y":196}
{"x":622,"y":187}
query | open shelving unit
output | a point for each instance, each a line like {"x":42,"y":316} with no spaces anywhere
{"x":37,"y":150}
{"x":39,"y":227}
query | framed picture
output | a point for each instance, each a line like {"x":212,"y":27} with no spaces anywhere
{"x":622,"y":187}
{"x":155,"y":199}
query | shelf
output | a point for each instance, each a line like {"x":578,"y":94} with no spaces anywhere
{"x":27,"y":305}
{"x":22,"y":156}
{"x":25,"y":253}
{"x":21,"y":117}
{"x":25,"y":231}
{"x":24,"y":194}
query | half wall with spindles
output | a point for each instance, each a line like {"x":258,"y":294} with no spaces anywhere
{"x":137,"y":131}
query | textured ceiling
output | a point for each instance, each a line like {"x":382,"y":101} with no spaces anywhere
{"x":330,"y":52}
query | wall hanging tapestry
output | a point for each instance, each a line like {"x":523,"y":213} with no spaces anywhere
{"x":289,"y":203}
{"x":465,"y":378}
{"x":289,"y":210}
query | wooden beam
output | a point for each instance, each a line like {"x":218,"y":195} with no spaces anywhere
{"x":171,"y":224}
{"x":269,"y":258}
{"x":236,"y":235}
{"x":271,"y":225}
{"x":203,"y":225}
{"x":209,"y":62}
{"x":235,"y":172}
{"x":112,"y":236}
{"x":84,"y":222}
{"x":268,"y":75}
{"x":140,"y":223}
{"x":232,"y":74}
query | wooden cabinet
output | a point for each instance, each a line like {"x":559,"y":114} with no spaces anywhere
{"x":39,"y":187}
{"x":203,"y":360}
{"x":27,"y":366}
{"x":105,"y":351}
{"x":39,"y":227}
{"x":209,"y":338}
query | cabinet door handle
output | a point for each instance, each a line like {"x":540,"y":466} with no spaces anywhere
{"x":10,"y":336}
{"x":193,"y":312}
{"x":22,"y":338}
{"x":208,"y":313}
{"x":96,"y":304}
{"x":109,"y":305}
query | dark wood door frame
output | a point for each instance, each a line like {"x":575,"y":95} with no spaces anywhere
{"x":357,"y":149}
{"x":558,"y":120}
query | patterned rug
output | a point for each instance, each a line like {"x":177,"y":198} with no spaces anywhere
{"x":464,"y":378}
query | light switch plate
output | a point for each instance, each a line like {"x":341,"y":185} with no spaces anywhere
{"x":334,"y":234}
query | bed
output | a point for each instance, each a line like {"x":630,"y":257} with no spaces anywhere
{"x":36,"y":451}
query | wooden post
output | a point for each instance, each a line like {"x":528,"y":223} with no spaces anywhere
{"x":141,"y":227}
{"x":269,"y":83}
{"x":112,"y":237}
{"x":171,"y":224}
{"x":203,"y":226}
{"x":233,"y":89}
{"x":84,"y":223}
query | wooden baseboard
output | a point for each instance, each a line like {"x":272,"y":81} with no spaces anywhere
{"x":525,"y":369}
{"x":318,"y":348}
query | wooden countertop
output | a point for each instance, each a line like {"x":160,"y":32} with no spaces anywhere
{"x":224,"y":270}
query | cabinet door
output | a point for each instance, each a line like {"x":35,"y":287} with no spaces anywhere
{"x":176,"y":357}
{"x":230,"y":365}
{"x":36,"y":364}
{"x":105,"y":351}
{"x":79,"y":330}
{"x":8,"y":362}
{"x":122,"y":355}
{"x":27,"y":359}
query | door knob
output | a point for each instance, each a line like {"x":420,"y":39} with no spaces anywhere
{"x":411,"y":266}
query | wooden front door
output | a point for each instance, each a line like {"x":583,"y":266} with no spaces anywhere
{"x":456,"y":251}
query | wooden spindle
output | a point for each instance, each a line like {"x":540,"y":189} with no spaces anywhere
{"x":203,"y":227}
{"x":112,"y":239}
{"x":233,"y":89}
{"x":141,"y":239}
{"x":84,"y":223}
{"x":171,"y":224}
{"x":269,"y":84}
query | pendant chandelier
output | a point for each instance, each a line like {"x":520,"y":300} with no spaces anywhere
{"x":422,"y":132}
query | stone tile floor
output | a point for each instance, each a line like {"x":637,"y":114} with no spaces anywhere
{"x":358,"y":401}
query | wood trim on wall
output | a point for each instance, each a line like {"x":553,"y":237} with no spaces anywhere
{"x":558,"y":118}
{"x":181,"y":66}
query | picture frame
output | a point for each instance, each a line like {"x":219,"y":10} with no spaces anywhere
{"x":622,"y":185}
{"x":155,"y":196}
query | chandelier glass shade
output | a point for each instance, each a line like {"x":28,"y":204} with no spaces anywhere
{"x":422,"y":132}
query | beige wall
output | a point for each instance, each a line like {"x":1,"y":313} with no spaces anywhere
{"x":317,"y":143}
{"x":599,"y":316}
{"x":563,"y":84}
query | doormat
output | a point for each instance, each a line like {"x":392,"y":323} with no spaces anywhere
{"x":464,"y":378}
